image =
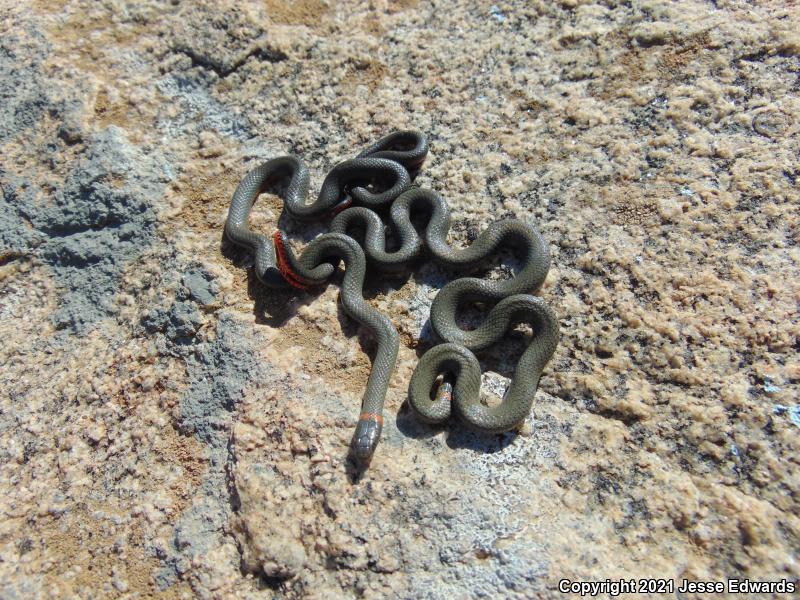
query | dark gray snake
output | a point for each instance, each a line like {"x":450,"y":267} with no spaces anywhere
{"x":390,"y":164}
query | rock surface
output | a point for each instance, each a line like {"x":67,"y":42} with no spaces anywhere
{"x":171,"y":428}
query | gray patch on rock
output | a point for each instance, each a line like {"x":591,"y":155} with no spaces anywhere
{"x":23,"y":99}
{"x":101,"y":220}
{"x":16,"y":234}
{"x":469,"y":529}
{"x":200,"y":285}
{"x":476,"y":523}
{"x":92,"y":228}
{"x":23,"y":96}
{"x":182,"y":319}
{"x":179,"y":323}
{"x":198,"y":110}
{"x":217,"y":373}
{"x":495,"y":511}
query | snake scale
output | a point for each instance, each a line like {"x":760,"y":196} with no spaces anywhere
{"x":355,"y":192}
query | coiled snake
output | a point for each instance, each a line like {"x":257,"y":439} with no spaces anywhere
{"x":390,"y":164}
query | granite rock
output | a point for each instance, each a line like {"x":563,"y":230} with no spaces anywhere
{"x":169,"y":427}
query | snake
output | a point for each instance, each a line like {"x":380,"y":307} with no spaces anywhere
{"x":314,"y":265}
{"x":390,"y":165}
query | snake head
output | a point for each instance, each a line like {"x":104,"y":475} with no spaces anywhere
{"x":366,"y":437}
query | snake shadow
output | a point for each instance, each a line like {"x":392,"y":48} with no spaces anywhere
{"x":271,"y":306}
{"x":458,"y":435}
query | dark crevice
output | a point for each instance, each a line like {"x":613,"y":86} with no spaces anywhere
{"x":222,"y":68}
{"x":9,"y":256}
{"x":71,"y":229}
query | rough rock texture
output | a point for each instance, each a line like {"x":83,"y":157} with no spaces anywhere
{"x":168,"y":427}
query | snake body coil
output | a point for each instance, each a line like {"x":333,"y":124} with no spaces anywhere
{"x":388,"y":160}
{"x":348,"y":192}
{"x":454,"y":358}
{"x":457,"y":361}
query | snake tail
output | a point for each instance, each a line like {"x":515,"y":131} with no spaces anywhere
{"x":409,"y":148}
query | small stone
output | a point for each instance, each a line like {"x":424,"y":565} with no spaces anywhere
{"x":71,"y":131}
{"x":119,"y":583}
{"x":202,"y":288}
{"x":95,"y":433}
